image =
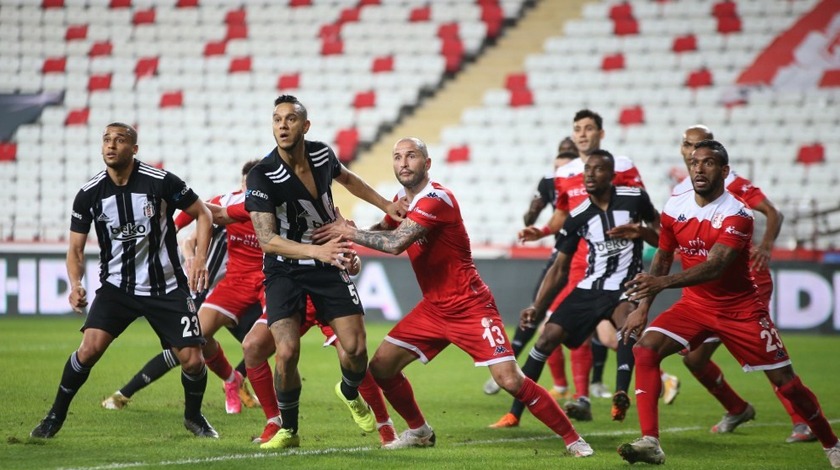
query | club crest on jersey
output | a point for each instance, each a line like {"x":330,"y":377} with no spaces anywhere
{"x":717,"y":220}
{"x":149,"y":209}
{"x":344,"y":276}
{"x":191,"y":305}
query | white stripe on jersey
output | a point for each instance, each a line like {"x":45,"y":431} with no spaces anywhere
{"x":612,"y":257}
{"x":279,"y":175}
{"x":94,"y":181}
{"x":147,"y":169}
{"x":320,"y":157}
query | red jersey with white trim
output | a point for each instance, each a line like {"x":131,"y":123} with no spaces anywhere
{"x":571,"y":192}
{"x":693,"y":230}
{"x":442,"y":260}
{"x":244,"y":253}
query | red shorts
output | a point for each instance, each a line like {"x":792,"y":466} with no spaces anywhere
{"x":751,"y":337}
{"x":234,"y":294}
{"x":764,"y":282}
{"x":308,"y":323}
{"x":477,"y":329}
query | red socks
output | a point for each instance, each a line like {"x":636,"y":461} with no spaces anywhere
{"x":373,"y":396}
{"x":712,"y":378}
{"x":648,"y":388}
{"x":400,"y":395}
{"x":219,"y":364}
{"x":805,"y":403}
{"x":546,"y":409}
{"x":263,"y":383}
{"x":557,"y":365}
{"x":581,"y":366}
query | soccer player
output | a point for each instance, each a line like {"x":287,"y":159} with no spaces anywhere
{"x":131,"y":205}
{"x":544,"y":196}
{"x":289,"y":195}
{"x":231,"y":301}
{"x":712,"y":230}
{"x":698,"y":360}
{"x":587,"y":133}
{"x":457,"y":307}
{"x":609,"y":220}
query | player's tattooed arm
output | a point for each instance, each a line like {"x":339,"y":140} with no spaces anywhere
{"x":391,"y":241}
{"x":718,"y":259}
{"x":265,"y":226}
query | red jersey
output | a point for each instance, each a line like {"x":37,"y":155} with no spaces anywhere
{"x":244,"y":252}
{"x":568,"y":183}
{"x":693,"y":230}
{"x":442,"y":260}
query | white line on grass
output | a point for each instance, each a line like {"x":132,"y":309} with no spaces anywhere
{"x":353,"y":450}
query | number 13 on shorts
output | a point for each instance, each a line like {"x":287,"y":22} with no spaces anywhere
{"x":493,"y":332}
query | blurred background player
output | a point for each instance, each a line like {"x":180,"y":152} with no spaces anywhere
{"x":545,"y":196}
{"x":140,"y":272}
{"x":699,"y":360}
{"x":455,"y":302}
{"x":231,"y":251}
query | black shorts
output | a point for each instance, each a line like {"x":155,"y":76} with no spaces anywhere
{"x":173,"y":316}
{"x":331,"y":290}
{"x":580,"y":312}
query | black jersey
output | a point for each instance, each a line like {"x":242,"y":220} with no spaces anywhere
{"x":273,"y":187}
{"x":138,"y":250}
{"x":611,"y":261}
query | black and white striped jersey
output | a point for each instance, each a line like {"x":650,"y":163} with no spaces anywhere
{"x":611,"y":261}
{"x":273,"y":187}
{"x":138,"y":250}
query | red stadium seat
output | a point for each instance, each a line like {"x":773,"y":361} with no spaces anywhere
{"x":288,"y":81}
{"x":300,"y":3}
{"x":146,"y":67}
{"x":364,"y":99}
{"x":240,"y":64}
{"x":382,"y":64}
{"x":830,"y":78}
{"x":332,"y":47}
{"x":458,"y":154}
{"x":99,"y":82}
{"x":811,"y":154}
{"x":369,"y":2}
{"x":420,"y":14}
{"x":521,"y":97}
{"x":729,"y":24}
{"x":54,"y":65}
{"x":8,"y":151}
{"x":699,"y":78}
{"x":236,"y":31}
{"x":52,"y":4}
{"x":632,"y":116}
{"x":186,"y":4}
{"x":493,"y":16}
{"x":331,"y":31}
{"x":724,"y":8}
{"x":77,"y":117}
{"x":349,"y":15}
{"x":172,"y":99}
{"x":621,"y":11}
{"x":516,"y":81}
{"x":625,"y":27}
{"x":215,"y":48}
{"x":685,"y":43}
{"x":613,"y":62}
{"x":143,"y":17}
{"x":75,"y":32}
{"x":120,"y":4}
{"x":347,"y":142}
{"x":235,"y":17}
{"x":448,"y":30}
{"x":102,"y":48}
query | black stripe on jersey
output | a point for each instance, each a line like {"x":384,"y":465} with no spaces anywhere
{"x":157,"y":279}
{"x":218,"y":251}
{"x":127,"y":271}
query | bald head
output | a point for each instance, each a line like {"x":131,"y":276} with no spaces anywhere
{"x":691,"y":136}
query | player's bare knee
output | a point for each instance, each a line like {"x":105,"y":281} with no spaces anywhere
{"x":510,"y":383}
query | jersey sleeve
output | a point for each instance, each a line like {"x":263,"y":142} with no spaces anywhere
{"x":335,"y":164}
{"x":177,"y":192}
{"x":545,"y":190}
{"x":562,"y":202}
{"x":628,"y":177}
{"x":667,"y":240}
{"x":80,"y":217}
{"x":238,"y":212}
{"x":431,"y":212}
{"x":736,"y":231}
{"x":182,"y":220}
{"x":568,"y":237}
{"x":744,"y":189}
{"x":256,"y":194}
{"x":646,"y":209}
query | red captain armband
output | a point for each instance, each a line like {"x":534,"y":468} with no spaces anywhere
{"x":238,"y":212}
{"x":546,"y":230}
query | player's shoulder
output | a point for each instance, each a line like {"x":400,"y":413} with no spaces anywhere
{"x":732,"y":205}
{"x":570,"y":169}
{"x":153,"y":172}
{"x":682,"y":187}
{"x":95,"y":181}
{"x":628,"y":191}
{"x":623,"y":163}
{"x":438,"y":192}
{"x":319,"y":152}
{"x":679,"y":203}
{"x":580,"y":209}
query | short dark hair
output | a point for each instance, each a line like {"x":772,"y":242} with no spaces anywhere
{"x":292,"y":99}
{"x":715,"y":147}
{"x":588,"y":113}
{"x":130,"y":130}
{"x":605,"y":155}
{"x":567,"y":154}
{"x":248,"y":165}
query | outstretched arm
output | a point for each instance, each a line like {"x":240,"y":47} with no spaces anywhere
{"x":553,"y":282}
{"x":336,"y":252}
{"x":359,"y":188}
{"x":380,"y":237}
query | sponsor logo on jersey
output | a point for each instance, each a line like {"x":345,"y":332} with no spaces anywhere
{"x":181,"y":193}
{"x":717,"y":220}
{"x":129,"y":231}
{"x":76,"y":215}
{"x":149,"y":209}
{"x":574,"y":192}
{"x":500,"y":350}
{"x":256,"y":193}
{"x":611,"y":246}
{"x":424,"y":213}
{"x":743,"y":213}
{"x":733,"y":231}
{"x":103,"y":217}
{"x":681,"y":218}
{"x":697,"y":242}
